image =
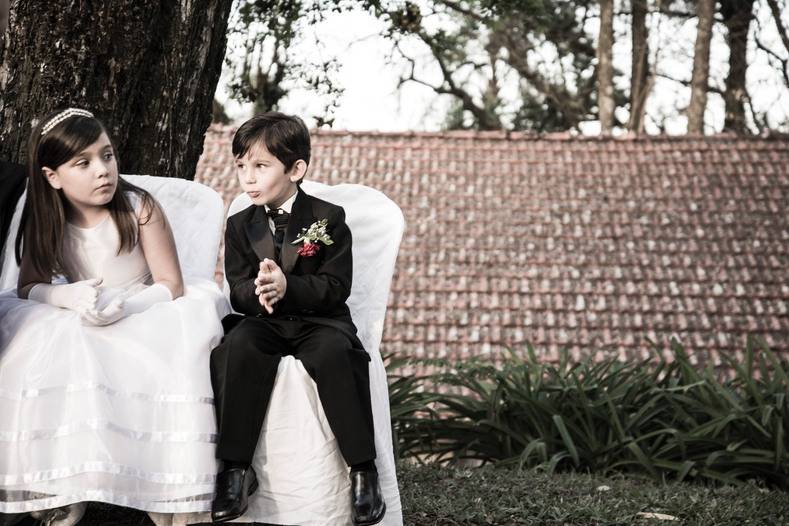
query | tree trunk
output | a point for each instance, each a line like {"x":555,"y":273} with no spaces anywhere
{"x":737,"y":16}
{"x":705,"y":11}
{"x":147,"y":68}
{"x":639,"y":77}
{"x":605,"y":69}
{"x":4,"y":6}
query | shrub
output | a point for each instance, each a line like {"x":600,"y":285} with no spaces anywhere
{"x":655,"y":417}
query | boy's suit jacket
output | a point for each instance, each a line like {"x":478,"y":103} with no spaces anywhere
{"x":318,"y":285}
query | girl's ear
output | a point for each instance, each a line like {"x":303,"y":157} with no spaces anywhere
{"x":297,"y":171}
{"x":52,"y":178}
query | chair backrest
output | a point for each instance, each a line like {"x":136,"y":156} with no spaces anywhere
{"x":377,"y":225}
{"x":195,"y":213}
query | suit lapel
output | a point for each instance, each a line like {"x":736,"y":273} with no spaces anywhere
{"x":259,"y":235}
{"x":300,"y":217}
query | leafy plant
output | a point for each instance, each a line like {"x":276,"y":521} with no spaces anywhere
{"x":659,"y":418}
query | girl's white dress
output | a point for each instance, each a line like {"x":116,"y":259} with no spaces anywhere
{"x":120,"y":414}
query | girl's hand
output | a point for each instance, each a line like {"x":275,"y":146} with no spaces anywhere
{"x":113,"y":312}
{"x":79,"y":296}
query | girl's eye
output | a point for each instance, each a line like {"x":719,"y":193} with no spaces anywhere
{"x":262,"y":165}
{"x":108,"y":156}
{"x":82,"y":162}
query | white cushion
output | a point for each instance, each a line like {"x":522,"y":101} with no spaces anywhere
{"x":195,"y":213}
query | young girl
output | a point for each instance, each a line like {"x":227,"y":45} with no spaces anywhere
{"x":105,"y":393}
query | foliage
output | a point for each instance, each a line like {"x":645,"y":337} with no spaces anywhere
{"x":263,"y":34}
{"x":481,"y":45}
{"x":654,"y":418}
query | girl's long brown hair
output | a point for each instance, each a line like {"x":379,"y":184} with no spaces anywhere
{"x":43,"y":223}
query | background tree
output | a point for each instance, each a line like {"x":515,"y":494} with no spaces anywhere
{"x":737,"y":17}
{"x":520,"y":64}
{"x":640,"y":76}
{"x":783,"y":33}
{"x":263,"y":34}
{"x":605,"y":67}
{"x":705,"y":11}
{"x":147,"y":68}
{"x":479,"y":46}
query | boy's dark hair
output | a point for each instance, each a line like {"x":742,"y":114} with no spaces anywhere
{"x":286,"y":137}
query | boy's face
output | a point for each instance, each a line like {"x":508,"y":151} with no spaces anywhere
{"x":263,"y":177}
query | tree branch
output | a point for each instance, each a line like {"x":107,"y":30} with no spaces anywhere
{"x":784,"y":62}
{"x":711,"y":89}
{"x":778,"y":24}
{"x":455,"y":6}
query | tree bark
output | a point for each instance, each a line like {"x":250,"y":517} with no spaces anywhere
{"x":605,"y":69}
{"x":147,"y":68}
{"x":737,"y":16}
{"x":705,"y":11}
{"x":639,"y":76}
{"x":4,"y":7}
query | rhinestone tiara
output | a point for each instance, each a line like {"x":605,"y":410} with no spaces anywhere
{"x":62,"y":116}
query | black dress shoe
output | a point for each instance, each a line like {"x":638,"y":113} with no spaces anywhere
{"x":233,"y":486}
{"x":367,"y":503}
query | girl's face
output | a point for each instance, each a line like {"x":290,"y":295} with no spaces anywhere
{"x":88,"y":179}
{"x":264,"y":178}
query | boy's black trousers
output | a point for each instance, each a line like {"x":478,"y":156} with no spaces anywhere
{"x":244,"y":367}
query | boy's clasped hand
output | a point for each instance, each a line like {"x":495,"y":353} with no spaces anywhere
{"x":270,"y":284}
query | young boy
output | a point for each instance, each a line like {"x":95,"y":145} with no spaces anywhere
{"x":292,"y":301}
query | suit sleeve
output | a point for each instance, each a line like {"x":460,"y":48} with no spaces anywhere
{"x":326,"y":290}
{"x":240,"y":275}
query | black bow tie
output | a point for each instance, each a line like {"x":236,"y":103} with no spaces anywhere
{"x":275,"y":213}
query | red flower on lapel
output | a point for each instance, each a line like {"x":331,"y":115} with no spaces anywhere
{"x":308,"y":249}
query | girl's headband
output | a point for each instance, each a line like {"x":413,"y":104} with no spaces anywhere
{"x":62,"y":116}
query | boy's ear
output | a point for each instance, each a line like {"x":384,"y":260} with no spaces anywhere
{"x":297,"y":171}
{"x":52,"y":178}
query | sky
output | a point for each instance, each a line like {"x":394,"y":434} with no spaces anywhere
{"x":372,"y":101}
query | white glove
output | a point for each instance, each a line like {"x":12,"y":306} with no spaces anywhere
{"x":140,"y":302}
{"x":79,"y":296}
{"x":120,"y":306}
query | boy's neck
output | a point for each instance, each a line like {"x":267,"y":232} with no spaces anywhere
{"x":273,"y":206}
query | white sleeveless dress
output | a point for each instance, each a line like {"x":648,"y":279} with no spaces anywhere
{"x":121,"y":414}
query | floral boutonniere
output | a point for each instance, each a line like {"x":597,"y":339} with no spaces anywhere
{"x":312,"y":236}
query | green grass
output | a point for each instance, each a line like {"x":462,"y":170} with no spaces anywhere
{"x":434,"y":495}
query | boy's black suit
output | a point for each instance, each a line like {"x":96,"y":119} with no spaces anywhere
{"x":311,"y":321}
